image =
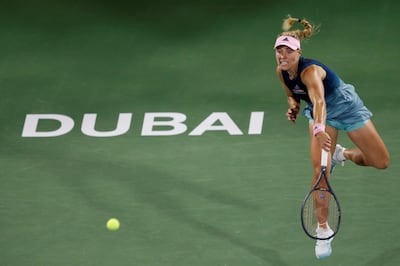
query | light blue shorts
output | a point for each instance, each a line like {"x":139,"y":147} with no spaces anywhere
{"x":345,"y":110}
{"x":340,"y":126}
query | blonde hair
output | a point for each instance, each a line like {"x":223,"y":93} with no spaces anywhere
{"x":307,"y":32}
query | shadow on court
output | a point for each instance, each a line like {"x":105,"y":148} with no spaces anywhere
{"x":162,"y":191}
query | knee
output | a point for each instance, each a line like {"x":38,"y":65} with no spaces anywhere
{"x":383,"y":163}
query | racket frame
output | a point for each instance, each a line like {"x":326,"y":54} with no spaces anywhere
{"x":322,"y":175}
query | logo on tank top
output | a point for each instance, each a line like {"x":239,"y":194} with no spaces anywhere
{"x":298,"y":90}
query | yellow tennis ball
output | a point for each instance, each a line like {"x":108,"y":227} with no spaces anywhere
{"x":113,"y":224}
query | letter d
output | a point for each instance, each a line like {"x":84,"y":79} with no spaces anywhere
{"x":32,"y":120}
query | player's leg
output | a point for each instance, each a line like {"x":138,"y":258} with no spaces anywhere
{"x":315,"y":148}
{"x":323,"y":248}
{"x":370,"y":150}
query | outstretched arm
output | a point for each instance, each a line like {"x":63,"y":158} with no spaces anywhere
{"x":312,"y":77}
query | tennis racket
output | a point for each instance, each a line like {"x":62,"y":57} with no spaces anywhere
{"x":321,"y":205}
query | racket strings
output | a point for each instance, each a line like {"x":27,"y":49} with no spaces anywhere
{"x":320,"y":207}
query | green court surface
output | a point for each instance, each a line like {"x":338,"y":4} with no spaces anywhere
{"x":215,"y":199}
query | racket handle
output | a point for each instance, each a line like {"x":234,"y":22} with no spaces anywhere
{"x":324,"y":158}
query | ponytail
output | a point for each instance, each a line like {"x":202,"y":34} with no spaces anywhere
{"x":307,"y":32}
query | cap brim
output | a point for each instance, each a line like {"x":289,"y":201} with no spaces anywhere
{"x":293,"y":47}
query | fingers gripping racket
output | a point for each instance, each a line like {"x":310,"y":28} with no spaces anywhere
{"x":321,"y":205}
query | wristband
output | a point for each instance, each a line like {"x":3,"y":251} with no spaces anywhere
{"x":317,"y":128}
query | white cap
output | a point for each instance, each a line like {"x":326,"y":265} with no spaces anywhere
{"x":288,"y":41}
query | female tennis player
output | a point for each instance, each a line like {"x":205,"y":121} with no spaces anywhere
{"x":331,"y":105}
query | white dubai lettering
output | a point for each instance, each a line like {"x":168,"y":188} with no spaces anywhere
{"x":154,"y":124}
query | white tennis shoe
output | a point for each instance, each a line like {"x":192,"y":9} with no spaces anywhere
{"x":338,"y":156}
{"x":323,"y":248}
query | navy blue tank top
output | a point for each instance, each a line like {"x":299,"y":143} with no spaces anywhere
{"x":299,"y":90}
